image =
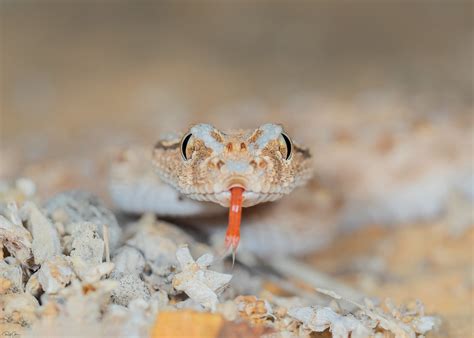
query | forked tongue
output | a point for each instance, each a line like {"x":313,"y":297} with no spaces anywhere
{"x":232,"y":236}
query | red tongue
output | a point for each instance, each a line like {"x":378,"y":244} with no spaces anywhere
{"x":232,"y":236}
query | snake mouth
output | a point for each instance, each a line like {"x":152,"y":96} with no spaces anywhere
{"x":249,"y":198}
{"x":236,"y":182}
{"x":233,"y":186}
{"x":222,"y":196}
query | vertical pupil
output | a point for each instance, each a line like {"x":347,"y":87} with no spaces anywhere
{"x":288,"y":146}
{"x":184,"y":145}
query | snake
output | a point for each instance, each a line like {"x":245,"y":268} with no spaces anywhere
{"x":294,"y":202}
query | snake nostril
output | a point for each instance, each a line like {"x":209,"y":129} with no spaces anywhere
{"x":262,"y":164}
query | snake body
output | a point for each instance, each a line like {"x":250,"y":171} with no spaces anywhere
{"x":356,"y":179}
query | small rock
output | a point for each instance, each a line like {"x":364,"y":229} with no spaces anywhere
{"x":82,"y":301}
{"x":33,"y":286}
{"x":14,"y":237}
{"x":128,"y":260}
{"x":155,"y":247}
{"x":424,"y":324}
{"x":199,"y":283}
{"x":253,"y":309}
{"x":55,"y":274}
{"x":91,"y":274}
{"x":80,"y":206}
{"x":87,"y":251}
{"x":160,"y":279}
{"x":130,"y":288}
{"x":319,"y":319}
{"x":86,"y":243}
{"x":11,"y":271}
{"x":19,"y":308}
{"x":46,"y":242}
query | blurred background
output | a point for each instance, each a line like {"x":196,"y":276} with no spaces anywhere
{"x":71,"y":69}
{"x":81,"y":75}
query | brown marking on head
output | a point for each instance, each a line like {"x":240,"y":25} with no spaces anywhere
{"x":201,"y":150}
{"x":255,"y":136}
{"x":220,"y":164}
{"x":217,"y":136}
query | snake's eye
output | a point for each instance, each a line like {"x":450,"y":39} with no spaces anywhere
{"x":187,"y":147}
{"x":286,"y":146}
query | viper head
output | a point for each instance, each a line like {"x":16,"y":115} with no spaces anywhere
{"x":204,"y":163}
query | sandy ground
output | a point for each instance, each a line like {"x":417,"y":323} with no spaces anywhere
{"x":417,"y":262}
{"x":74,"y":75}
